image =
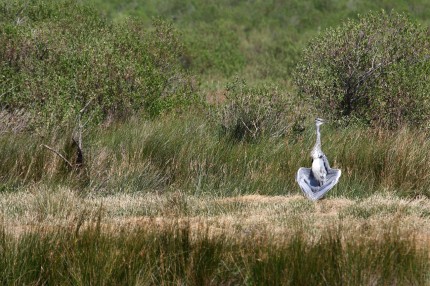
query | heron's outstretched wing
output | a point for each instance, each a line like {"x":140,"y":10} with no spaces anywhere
{"x":310,"y":186}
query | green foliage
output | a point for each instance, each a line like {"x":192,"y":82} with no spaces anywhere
{"x":58,"y":56}
{"x":173,"y":85}
{"x":216,"y":51}
{"x":374,"y":69}
{"x":259,"y":39}
{"x":250,"y":113}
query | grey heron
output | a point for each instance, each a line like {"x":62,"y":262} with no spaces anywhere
{"x":316,"y":181}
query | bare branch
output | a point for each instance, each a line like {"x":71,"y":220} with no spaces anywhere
{"x":59,"y":155}
{"x":86,"y":105}
{"x":81,"y":126}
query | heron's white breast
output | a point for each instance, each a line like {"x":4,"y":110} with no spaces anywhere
{"x":318,"y":169}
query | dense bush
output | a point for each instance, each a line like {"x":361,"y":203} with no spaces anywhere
{"x":250,"y":113}
{"x":58,"y":56}
{"x":374,"y":69}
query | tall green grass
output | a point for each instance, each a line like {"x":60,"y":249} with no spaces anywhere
{"x":188,"y":152}
{"x":175,"y":254}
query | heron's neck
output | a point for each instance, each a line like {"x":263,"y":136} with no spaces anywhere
{"x":318,"y":141}
{"x":316,"y":151}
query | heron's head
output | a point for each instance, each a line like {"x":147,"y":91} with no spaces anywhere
{"x":319,"y":121}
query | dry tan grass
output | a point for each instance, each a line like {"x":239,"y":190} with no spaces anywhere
{"x":39,"y":208}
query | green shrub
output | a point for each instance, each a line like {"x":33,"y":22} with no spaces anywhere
{"x":58,"y":56}
{"x":374,"y":69}
{"x":216,"y":49}
{"x":250,"y":113}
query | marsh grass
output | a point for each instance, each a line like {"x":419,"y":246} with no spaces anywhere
{"x":59,"y":236}
{"x":180,"y":253}
{"x":187,"y":152}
